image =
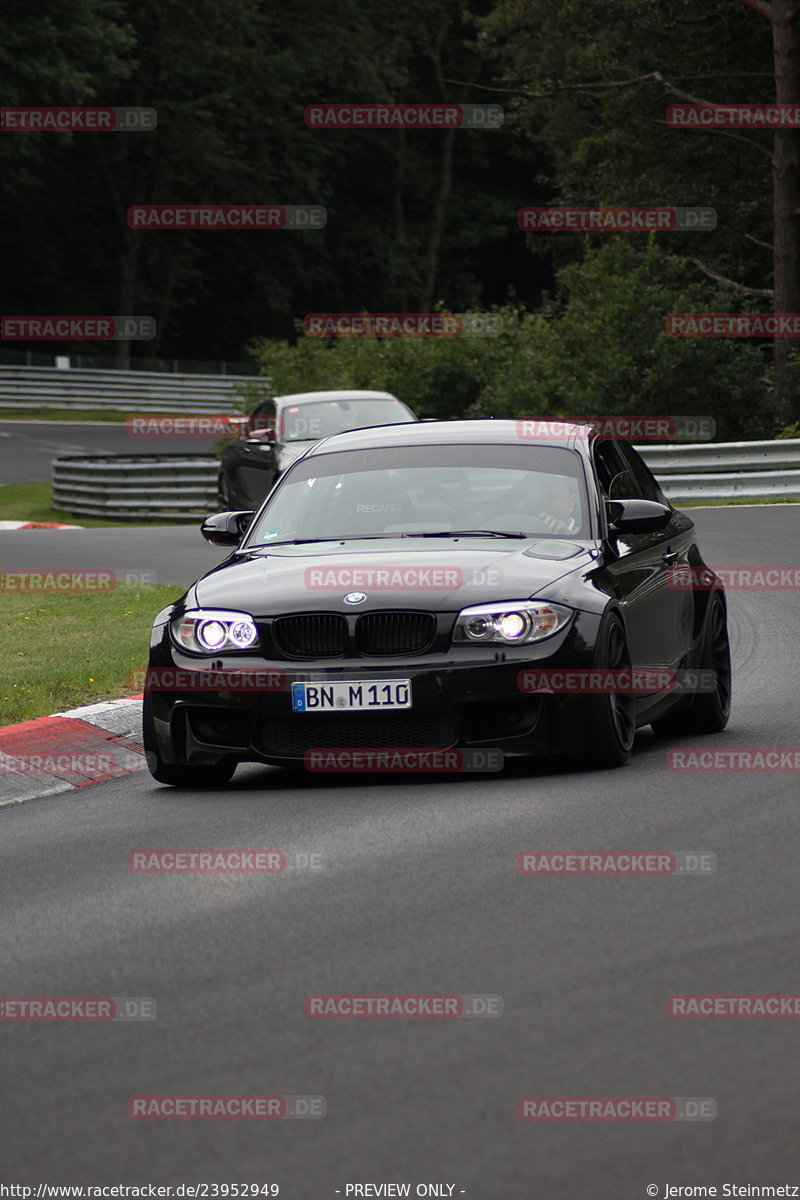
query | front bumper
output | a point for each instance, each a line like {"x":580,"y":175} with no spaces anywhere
{"x":467,"y":698}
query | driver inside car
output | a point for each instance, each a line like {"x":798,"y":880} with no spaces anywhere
{"x":559,"y":506}
{"x":549,"y":501}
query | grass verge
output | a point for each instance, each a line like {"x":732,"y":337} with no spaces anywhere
{"x":91,"y":415}
{"x":33,"y":502}
{"x":61,"y":651}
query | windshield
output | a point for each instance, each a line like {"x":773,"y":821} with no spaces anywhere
{"x":308,"y":422}
{"x":534,"y":490}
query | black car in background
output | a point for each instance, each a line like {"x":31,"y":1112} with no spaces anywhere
{"x":401,"y":584}
{"x":280,"y":430}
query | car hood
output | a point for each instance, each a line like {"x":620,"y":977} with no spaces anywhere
{"x":433,"y":574}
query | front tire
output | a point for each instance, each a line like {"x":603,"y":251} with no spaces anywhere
{"x":179,"y":774}
{"x":612,"y":716}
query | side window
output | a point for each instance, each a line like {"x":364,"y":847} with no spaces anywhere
{"x":646,"y":483}
{"x":616,"y":480}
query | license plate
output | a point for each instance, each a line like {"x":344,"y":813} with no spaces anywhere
{"x":351,"y":697}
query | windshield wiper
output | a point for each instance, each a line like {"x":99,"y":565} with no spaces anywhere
{"x":379,"y":537}
{"x":440,"y":533}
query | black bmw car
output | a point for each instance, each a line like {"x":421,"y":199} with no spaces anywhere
{"x":280,"y":429}
{"x":402,"y":586}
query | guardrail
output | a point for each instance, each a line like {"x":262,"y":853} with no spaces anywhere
{"x":127,"y":391}
{"x":131,"y":362}
{"x":726,"y":470}
{"x":167,"y":487}
{"x":183,"y":487}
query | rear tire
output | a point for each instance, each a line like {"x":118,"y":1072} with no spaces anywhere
{"x":708,"y":712}
{"x":612,"y":715}
{"x":179,"y":774}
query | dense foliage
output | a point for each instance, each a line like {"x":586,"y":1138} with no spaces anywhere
{"x":414,"y":221}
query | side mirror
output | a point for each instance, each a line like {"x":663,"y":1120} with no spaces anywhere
{"x":637,"y":516}
{"x":259,"y":427}
{"x":226,"y":528}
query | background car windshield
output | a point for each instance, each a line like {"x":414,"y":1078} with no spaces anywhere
{"x":307,"y":422}
{"x":538,"y":491}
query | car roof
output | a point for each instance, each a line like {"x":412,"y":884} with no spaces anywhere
{"x":531,"y":431}
{"x":347,"y":394}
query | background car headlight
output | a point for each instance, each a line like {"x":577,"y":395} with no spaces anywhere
{"x":512,"y":623}
{"x":207,"y":631}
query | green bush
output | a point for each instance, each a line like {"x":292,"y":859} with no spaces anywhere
{"x":598,"y":348}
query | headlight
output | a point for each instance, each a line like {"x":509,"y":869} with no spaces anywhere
{"x":209,"y":631}
{"x":511,"y":623}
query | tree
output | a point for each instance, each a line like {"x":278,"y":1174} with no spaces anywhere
{"x":784,"y":18}
{"x":591,"y":83}
{"x":414,"y":217}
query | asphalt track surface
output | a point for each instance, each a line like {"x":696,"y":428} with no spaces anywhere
{"x":27,"y":448}
{"x":419,"y":892}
